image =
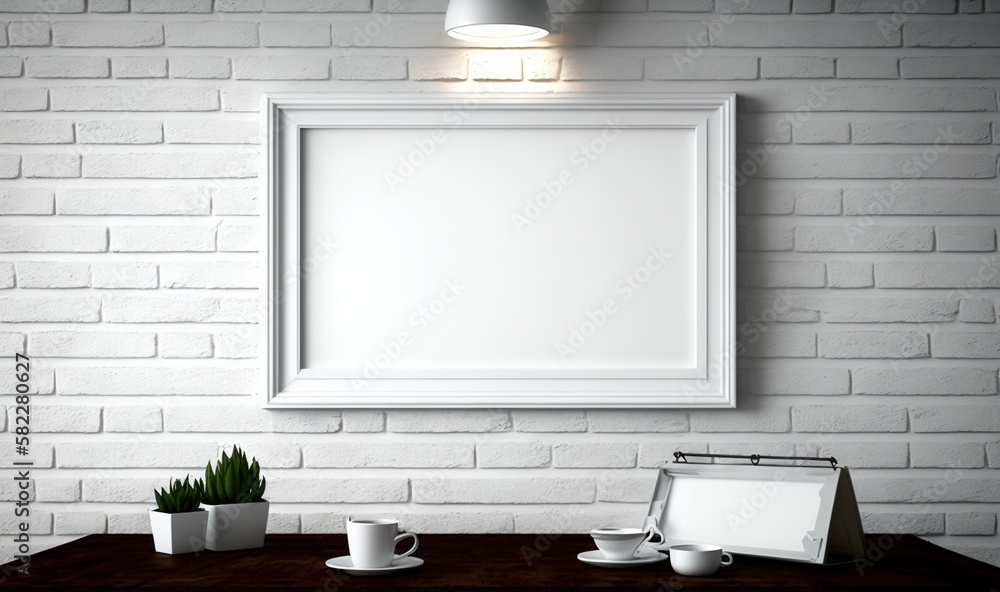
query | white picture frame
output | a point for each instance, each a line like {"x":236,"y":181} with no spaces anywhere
{"x":338,"y":215}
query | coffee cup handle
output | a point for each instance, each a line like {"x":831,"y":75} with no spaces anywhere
{"x":726,"y":556}
{"x":416,"y":543}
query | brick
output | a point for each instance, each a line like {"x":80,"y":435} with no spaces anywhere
{"x":317,"y":5}
{"x":758,"y":313}
{"x":779,"y":345}
{"x":971,"y":523}
{"x":412,"y":6}
{"x":536,"y":490}
{"x":12,"y":342}
{"x":282,"y":523}
{"x":26,"y":201}
{"x":50,"y":310}
{"x":513,"y":455}
{"x":447,"y":67}
{"x":967,"y":344}
{"x":10,"y":166}
{"x":888,"y":310}
{"x":956,"y":418}
{"x":281,"y":68}
{"x":211,"y":34}
{"x":768,"y":419}
{"x":54,"y":238}
{"x":133,"y":418}
{"x":106,"y":34}
{"x":966,"y":238}
{"x":6,"y":275}
{"x":497,"y":66}
{"x":124,"y":274}
{"x":154,"y":98}
{"x":798,"y":381}
{"x":977,"y":310}
{"x":248,"y":418}
{"x":212,"y":132}
{"x":181,"y":309}
{"x":139,"y":239}
{"x":766,"y":237}
{"x":238,"y":238}
{"x":652,"y":456}
{"x":92,"y":344}
{"x":341,"y":490}
{"x":389,"y":455}
{"x":949,"y":67}
{"x":819,"y":97}
{"x":889,"y":6}
{"x":924,"y":381}
{"x":878,"y":166}
{"x":185,"y":345}
{"x":128,"y":522}
{"x":42,"y":383}
{"x":139,"y":67}
{"x":950,"y":34}
{"x":77,"y":523}
{"x":920,"y":132}
{"x":393,"y":33}
{"x":850,"y":238}
{"x":807,"y":34}
{"x":849,"y":418}
{"x":625,"y":489}
{"x":134,"y":201}
{"x":448,"y":420}
{"x":796,"y":67}
{"x":921,"y":523}
{"x":131,"y":455}
{"x":108,"y":5}
{"x":23,"y":99}
{"x":649,"y":34}
{"x":943,"y":455}
{"x":457,"y":522}
{"x":236,"y":201}
{"x":851,"y":274}
{"x":595,"y":455}
{"x":57,"y":490}
{"x":630,"y":421}
{"x":29,"y":33}
{"x":867,"y":455}
{"x":573,"y":520}
{"x":946,"y":488}
{"x":168,"y":6}
{"x":362,"y":421}
{"x":782,"y":274}
{"x":274,"y":455}
{"x":50,"y":166}
{"x":922,"y":201}
{"x":545,"y":420}
{"x":133,"y":380}
{"x":121,"y":490}
{"x":193,"y":165}
{"x":53,"y":274}
{"x":200,"y":67}
{"x":956,"y":274}
{"x":233,"y":346}
{"x":67,"y":67}
{"x":874,"y":344}
{"x":119,"y":132}
{"x":65,"y":418}
{"x":542,"y":68}
{"x":369,"y":68}
{"x":970,"y":6}
{"x":758,"y":7}
{"x":764,"y":129}
{"x":823,"y":132}
{"x":39,"y":454}
{"x":239,"y":5}
{"x":295,"y":34}
{"x":702,"y":68}
{"x":867,"y":67}
{"x":681,"y":5}
{"x":10,"y":67}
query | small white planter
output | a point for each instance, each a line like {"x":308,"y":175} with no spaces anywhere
{"x":178,"y":533}
{"x":236,"y":526}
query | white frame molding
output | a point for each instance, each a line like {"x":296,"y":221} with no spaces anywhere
{"x":287,"y":384}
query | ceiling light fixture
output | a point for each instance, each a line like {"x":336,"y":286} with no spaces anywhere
{"x":486,"y":21}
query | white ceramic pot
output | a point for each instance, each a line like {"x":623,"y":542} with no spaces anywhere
{"x":236,"y":526}
{"x":183,"y":532}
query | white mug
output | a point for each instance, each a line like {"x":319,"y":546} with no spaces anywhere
{"x":698,"y":560}
{"x":372,"y":542}
{"x":620,"y":544}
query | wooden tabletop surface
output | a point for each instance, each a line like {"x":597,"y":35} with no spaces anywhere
{"x":468,"y":562}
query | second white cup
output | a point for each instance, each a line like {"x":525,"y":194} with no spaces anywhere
{"x":698,"y":560}
{"x":372,"y":541}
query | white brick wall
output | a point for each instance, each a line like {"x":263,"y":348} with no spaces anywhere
{"x":868,"y":275}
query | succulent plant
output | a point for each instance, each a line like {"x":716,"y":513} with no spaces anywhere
{"x":182,"y":497}
{"x":234,"y":480}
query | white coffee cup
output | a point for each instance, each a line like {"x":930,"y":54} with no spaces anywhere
{"x":372,"y":541}
{"x":698,"y":560}
{"x":620,"y":544}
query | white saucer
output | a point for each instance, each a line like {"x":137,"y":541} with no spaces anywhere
{"x":344,"y":564}
{"x":644,"y":557}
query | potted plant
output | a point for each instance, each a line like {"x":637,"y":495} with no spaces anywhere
{"x":178,"y":523}
{"x":234,"y":497}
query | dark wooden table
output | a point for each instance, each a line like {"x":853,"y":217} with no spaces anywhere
{"x":467,"y":562}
